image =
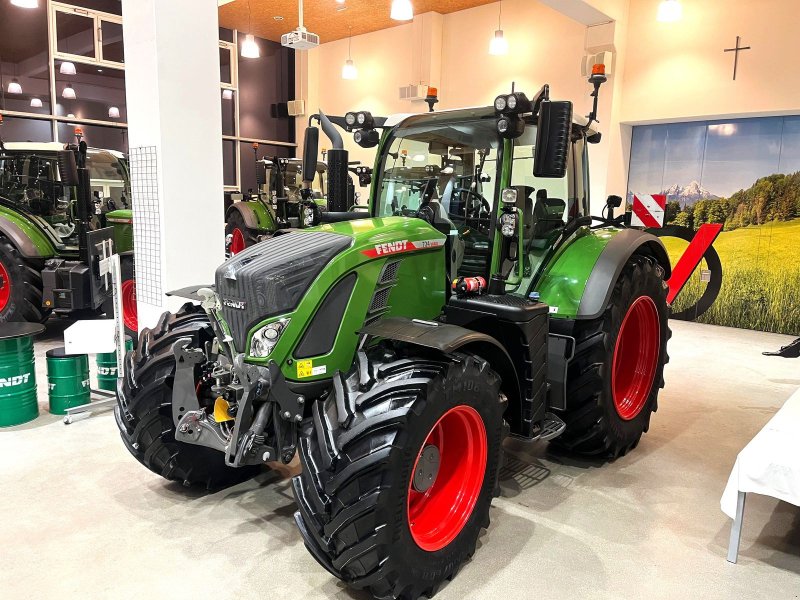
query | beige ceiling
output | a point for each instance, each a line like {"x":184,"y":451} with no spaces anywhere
{"x":323,"y":18}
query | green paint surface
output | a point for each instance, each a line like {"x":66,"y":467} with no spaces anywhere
{"x":29,"y":228}
{"x":17,"y":382}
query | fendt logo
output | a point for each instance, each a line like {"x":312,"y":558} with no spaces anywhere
{"x":401,"y":246}
{"x":106,"y":370}
{"x":15,"y":380}
{"x":237,"y":304}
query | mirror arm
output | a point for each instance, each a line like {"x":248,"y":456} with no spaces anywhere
{"x":543,"y":95}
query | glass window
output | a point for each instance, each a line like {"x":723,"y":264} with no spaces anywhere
{"x":98,"y":91}
{"x":225,"y":71}
{"x":109,"y":177}
{"x":229,"y":162}
{"x":111,"y":42}
{"x":228,"y":112}
{"x":24,"y":57}
{"x":18,"y":129}
{"x":75,"y":34}
{"x":96,"y":136}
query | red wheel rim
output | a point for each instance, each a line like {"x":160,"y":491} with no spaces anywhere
{"x":129,"y":311}
{"x":237,"y":241}
{"x":437,"y":515}
{"x":636,"y":357}
{"x":5,"y":287}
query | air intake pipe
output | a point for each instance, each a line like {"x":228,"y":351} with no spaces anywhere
{"x":337,"y":167}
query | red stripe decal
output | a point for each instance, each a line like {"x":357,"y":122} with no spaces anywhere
{"x":647,"y":219}
{"x":691,"y":258}
{"x":401,"y":246}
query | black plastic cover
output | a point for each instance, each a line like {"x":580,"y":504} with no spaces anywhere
{"x":321,"y":333}
{"x":271,"y":277}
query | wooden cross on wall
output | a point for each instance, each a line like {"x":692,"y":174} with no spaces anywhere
{"x":736,"y":51}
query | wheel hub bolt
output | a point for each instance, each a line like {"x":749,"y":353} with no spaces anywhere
{"x":427,"y":468}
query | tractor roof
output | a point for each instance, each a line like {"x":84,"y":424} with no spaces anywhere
{"x":50,"y":147}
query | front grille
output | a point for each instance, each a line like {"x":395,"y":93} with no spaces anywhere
{"x":389,"y":273}
{"x":380,"y":299}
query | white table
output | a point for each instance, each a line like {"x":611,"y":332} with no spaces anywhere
{"x":768,"y":465}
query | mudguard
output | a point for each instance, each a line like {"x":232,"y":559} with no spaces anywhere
{"x":578,"y":282}
{"x":254,"y":214}
{"x":26,"y":236}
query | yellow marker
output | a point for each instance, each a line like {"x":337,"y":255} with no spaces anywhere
{"x":305,"y":368}
{"x":221,"y":410}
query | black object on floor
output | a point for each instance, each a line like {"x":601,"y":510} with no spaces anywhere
{"x":789,"y":351}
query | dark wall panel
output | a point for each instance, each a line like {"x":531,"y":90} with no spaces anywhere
{"x":264,"y":82}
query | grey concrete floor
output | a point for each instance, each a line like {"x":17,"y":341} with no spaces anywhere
{"x":79,"y":517}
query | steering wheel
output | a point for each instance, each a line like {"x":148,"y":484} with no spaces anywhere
{"x":473,"y":199}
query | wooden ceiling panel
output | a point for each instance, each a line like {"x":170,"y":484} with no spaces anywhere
{"x":324,"y":17}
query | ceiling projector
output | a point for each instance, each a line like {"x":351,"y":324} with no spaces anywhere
{"x":300,"y":39}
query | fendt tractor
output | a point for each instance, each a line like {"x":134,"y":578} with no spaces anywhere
{"x":49,"y":225}
{"x":277,"y":202}
{"x":395,"y":352}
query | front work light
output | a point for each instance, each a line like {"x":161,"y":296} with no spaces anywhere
{"x":515,"y":103}
{"x":510,"y":126}
{"x":367,"y":138}
{"x":508,"y":224}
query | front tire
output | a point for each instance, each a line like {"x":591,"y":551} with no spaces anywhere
{"x":146,"y":427}
{"x":371,"y":512}
{"x":618,"y":368}
{"x":20,"y":287}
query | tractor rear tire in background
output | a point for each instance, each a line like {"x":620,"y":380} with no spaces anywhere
{"x":241,"y":236}
{"x":400,"y":466}
{"x":147,"y":429}
{"x":130,"y":318}
{"x":20,"y":287}
{"x":618,"y":368}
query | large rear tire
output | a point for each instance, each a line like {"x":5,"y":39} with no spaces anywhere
{"x":147,"y":428}
{"x":241,"y":235}
{"x":20,"y":287}
{"x":618,"y":368}
{"x":130,"y":313}
{"x":374,"y":509}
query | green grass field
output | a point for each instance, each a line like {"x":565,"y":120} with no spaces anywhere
{"x":760,"y":282}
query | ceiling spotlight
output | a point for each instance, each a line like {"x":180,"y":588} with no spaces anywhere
{"x":14,"y":87}
{"x":69,"y":92}
{"x":669,"y":11}
{"x":26,"y":3}
{"x":36,"y":103}
{"x":227,"y":94}
{"x":249,"y":47}
{"x":113,"y":112}
{"x":67,"y":68}
{"x":402,"y":10}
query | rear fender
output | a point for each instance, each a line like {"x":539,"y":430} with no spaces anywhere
{"x":254,"y":214}
{"x":26,"y":236}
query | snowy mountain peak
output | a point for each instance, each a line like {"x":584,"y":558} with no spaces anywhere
{"x":688,"y":194}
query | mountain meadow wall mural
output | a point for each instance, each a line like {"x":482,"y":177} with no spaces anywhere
{"x":745,"y":175}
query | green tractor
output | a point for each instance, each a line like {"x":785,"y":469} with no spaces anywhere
{"x":50,"y":226}
{"x":394,"y":352}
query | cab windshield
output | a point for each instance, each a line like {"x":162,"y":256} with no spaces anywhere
{"x":448,"y":170}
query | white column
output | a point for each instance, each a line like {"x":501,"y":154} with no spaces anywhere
{"x":175,"y":139}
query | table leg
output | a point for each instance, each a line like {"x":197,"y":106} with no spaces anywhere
{"x":736,"y":529}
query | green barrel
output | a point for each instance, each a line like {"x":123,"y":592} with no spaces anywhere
{"x":107,"y":367}
{"x":68,"y":380}
{"x":18,"y":402}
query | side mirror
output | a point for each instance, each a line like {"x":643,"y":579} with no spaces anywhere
{"x":67,"y":168}
{"x":553,"y":139}
{"x":310,"y":151}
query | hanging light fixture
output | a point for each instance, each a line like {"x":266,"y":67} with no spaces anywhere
{"x":227,"y":94}
{"x":402,"y":10}
{"x":26,"y":3}
{"x":113,"y":112}
{"x":349,"y":70}
{"x":669,"y":11}
{"x":69,"y":92}
{"x":499,"y":44}
{"x":249,"y":47}
{"x":67,"y":68}
{"x":36,"y":103}
{"x":14,"y":87}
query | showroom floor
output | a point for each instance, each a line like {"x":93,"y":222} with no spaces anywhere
{"x":82,"y":518}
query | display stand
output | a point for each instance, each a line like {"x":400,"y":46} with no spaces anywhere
{"x":103,"y":399}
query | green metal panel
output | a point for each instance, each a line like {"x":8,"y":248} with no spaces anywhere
{"x":564,"y":277}
{"x":68,"y":380}
{"x":17,"y":381}
{"x":419,"y":293}
{"x":29,"y":228}
{"x":122,"y":222}
{"x":263,"y":215}
{"x":505,"y":181}
{"x":107,"y":367}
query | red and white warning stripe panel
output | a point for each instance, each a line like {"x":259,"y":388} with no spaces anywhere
{"x":401,"y":246}
{"x":648,"y":211}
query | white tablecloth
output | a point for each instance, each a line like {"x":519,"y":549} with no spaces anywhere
{"x":770,"y":463}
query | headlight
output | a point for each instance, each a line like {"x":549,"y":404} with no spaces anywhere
{"x":361,"y":117}
{"x":512,"y":102}
{"x":308,"y":216}
{"x":350,"y":119}
{"x":508,"y":224}
{"x":265,"y":339}
{"x":500,"y":103}
{"x":509,"y":196}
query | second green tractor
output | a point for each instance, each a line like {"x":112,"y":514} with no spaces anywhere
{"x":395,"y":350}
